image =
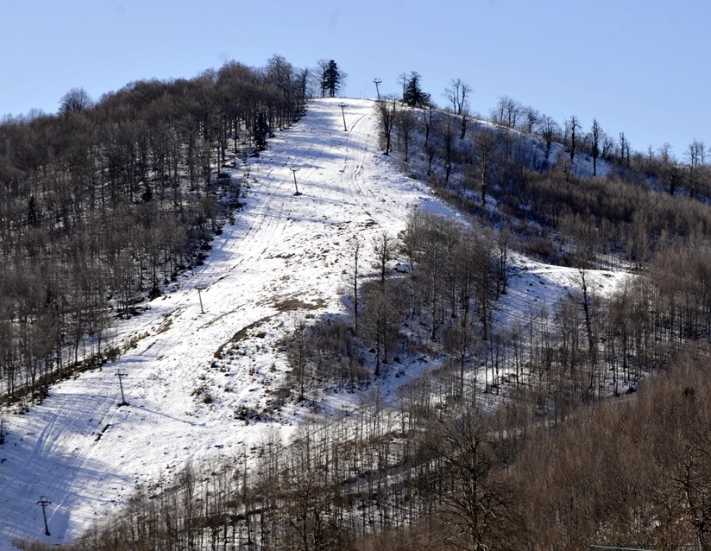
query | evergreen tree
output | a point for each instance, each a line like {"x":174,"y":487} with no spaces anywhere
{"x":413,"y":95}
{"x":331,"y":78}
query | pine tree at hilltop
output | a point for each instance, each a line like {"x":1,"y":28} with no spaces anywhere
{"x":331,"y":79}
{"x":413,"y":95}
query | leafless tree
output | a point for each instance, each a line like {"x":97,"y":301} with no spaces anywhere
{"x":572,"y":126}
{"x":387,"y":111}
{"x":383,"y":248}
{"x":485,"y":144}
{"x":696,"y":158}
{"x":597,"y":135}
{"x":458,"y":97}
{"x":356,"y":259}
{"x":406,"y":125}
{"x":75,"y":101}
{"x":549,"y":128}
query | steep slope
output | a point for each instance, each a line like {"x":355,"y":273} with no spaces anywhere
{"x":190,"y":374}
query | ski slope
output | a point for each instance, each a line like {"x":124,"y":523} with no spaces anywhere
{"x":86,"y":455}
{"x":286,"y":257}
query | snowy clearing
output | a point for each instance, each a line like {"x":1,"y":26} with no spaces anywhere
{"x":535,"y":286}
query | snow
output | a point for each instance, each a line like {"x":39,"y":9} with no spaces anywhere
{"x":286,"y":257}
{"x":534,"y":286}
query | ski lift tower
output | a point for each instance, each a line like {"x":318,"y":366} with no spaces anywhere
{"x":294,"y":170}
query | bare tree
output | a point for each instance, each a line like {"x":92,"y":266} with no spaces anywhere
{"x":448,"y":138}
{"x":75,"y":101}
{"x":383,"y":248}
{"x":434,"y":130}
{"x":387,"y":112}
{"x":458,"y":96}
{"x":405,"y":124}
{"x":356,"y":258}
{"x":532,"y":119}
{"x":549,"y":129}
{"x":381,"y":319}
{"x":572,"y":127}
{"x":624,"y":150}
{"x":298,"y":351}
{"x":588,"y":306}
{"x":608,"y":148}
{"x":485,"y":148}
{"x":597,"y":135}
{"x":696,"y":157}
{"x":507,"y":112}
{"x":478,"y":507}
{"x":670,"y":170}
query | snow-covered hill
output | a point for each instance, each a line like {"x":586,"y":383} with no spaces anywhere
{"x":283,"y":258}
{"x":86,"y":454}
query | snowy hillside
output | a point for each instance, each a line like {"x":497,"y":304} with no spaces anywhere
{"x":285,"y":257}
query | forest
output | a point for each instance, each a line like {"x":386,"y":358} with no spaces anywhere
{"x":106,"y":203}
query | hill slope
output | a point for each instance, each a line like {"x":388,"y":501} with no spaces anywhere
{"x":85,"y":454}
{"x":284,"y":257}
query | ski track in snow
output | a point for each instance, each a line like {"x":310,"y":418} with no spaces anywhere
{"x":87,"y":455}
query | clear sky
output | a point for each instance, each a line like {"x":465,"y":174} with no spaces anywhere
{"x":638,"y":66}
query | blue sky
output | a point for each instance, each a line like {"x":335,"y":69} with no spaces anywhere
{"x":638,"y":66}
